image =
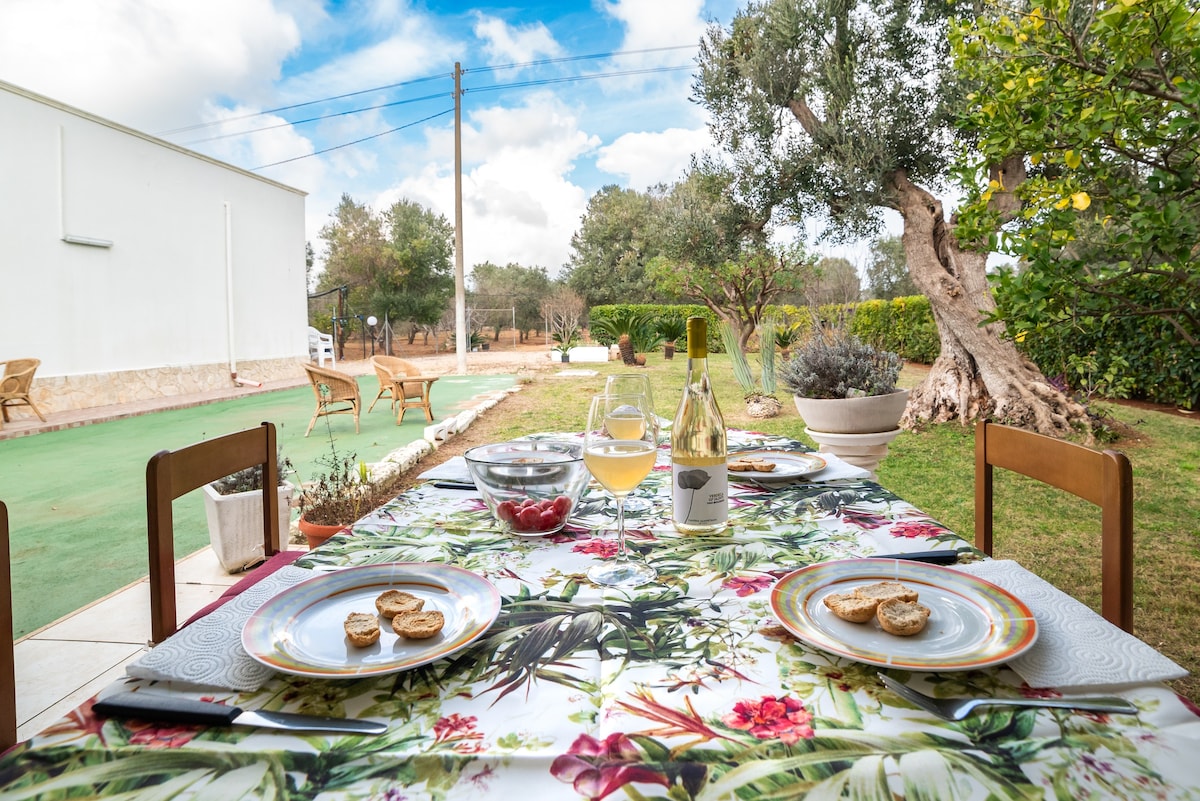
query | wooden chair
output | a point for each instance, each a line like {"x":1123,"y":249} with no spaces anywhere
{"x":1103,"y":478}
{"x":16,"y":385}
{"x":403,"y":382}
{"x":337,"y":393}
{"x":172,"y":474}
{"x":8,"y":670}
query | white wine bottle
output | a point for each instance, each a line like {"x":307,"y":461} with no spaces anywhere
{"x":699,"y":472}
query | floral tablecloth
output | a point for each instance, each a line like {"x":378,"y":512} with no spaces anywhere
{"x":684,"y":689}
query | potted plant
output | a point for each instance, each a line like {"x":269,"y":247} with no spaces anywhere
{"x":567,"y":338}
{"x":334,"y":499}
{"x":233,"y":506}
{"x":671,"y":328}
{"x":761,"y":402}
{"x":842,"y":385}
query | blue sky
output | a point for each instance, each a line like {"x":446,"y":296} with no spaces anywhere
{"x":533,"y":154}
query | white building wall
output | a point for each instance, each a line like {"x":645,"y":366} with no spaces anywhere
{"x":155,"y":300}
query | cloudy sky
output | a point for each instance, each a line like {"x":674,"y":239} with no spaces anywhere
{"x":561,"y":97}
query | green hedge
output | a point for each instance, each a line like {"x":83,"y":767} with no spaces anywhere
{"x":903,"y":325}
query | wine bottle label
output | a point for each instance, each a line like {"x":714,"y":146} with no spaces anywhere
{"x":700,"y":494}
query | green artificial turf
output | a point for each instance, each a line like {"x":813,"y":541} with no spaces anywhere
{"x":76,"y":497}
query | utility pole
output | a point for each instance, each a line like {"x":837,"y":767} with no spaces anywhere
{"x":460,"y":284}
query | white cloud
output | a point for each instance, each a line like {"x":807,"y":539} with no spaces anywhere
{"x":663,"y":23}
{"x":149,"y":64}
{"x":518,"y":202}
{"x":514,"y":44}
{"x":648,"y":158}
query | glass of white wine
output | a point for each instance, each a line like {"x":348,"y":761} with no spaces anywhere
{"x":632,"y":384}
{"x":620,"y":445}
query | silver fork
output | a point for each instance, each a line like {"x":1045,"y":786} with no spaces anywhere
{"x":959,"y":708}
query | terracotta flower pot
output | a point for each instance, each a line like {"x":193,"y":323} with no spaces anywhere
{"x":316,"y":534}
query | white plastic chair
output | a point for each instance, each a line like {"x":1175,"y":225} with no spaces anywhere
{"x":320,"y":347}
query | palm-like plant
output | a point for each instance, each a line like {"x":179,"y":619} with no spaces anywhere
{"x":628,"y":328}
{"x":671,"y":328}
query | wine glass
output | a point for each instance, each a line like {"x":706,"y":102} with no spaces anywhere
{"x":619,"y":449}
{"x":632,"y":384}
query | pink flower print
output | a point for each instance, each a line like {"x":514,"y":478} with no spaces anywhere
{"x":597,"y":769}
{"x":771,"y":717}
{"x":459,"y":730}
{"x":917,"y":530}
{"x":605,"y":549}
{"x":744,"y":586}
{"x":867,"y":520}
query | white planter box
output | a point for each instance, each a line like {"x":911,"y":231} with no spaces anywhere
{"x":235,"y":525}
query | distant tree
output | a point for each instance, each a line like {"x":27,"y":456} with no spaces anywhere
{"x":715,"y":250}
{"x":309,"y":259}
{"x":520,"y":288}
{"x":887,"y":271}
{"x":396,"y":265}
{"x":563,"y":310}
{"x":833,"y":279}
{"x":612,"y":247}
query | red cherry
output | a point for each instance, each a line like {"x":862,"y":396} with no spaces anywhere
{"x":561,"y":505}
{"x":506,"y":511}
{"x":528,"y":518}
{"x":549,"y":519}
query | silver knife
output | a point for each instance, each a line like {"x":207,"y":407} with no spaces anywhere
{"x":175,"y":709}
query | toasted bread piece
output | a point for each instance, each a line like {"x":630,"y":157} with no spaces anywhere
{"x":883,"y":590}
{"x":902,"y":618}
{"x":849,"y":606}
{"x":393,"y":602}
{"x":361,"y":629}
{"x":418,"y":625}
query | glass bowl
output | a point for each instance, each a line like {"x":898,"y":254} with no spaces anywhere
{"x":530,"y":486}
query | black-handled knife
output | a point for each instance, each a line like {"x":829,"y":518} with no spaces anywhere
{"x":944,"y":557}
{"x":174,"y":709}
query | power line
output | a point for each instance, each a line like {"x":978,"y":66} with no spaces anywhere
{"x":187,"y":128}
{"x":572,"y":78}
{"x":355,"y":142}
{"x":437,"y":76}
{"x":287,"y":124}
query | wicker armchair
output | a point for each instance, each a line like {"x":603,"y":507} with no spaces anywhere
{"x":402,"y":381}
{"x":15,"y":386}
{"x":337,"y":393}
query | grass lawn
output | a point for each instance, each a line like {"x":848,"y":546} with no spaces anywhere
{"x":77,"y":497}
{"x":1049,"y":532}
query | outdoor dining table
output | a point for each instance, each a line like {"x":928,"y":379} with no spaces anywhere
{"x":691,"y":687}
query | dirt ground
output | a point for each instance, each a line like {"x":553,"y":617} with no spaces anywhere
{"x":535,"y":343}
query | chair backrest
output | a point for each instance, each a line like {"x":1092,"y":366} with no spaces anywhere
{"x":172,"y":474}
{"x":1104,"y":478}
{"x":18,"y":375}
{"x":342,"y":386}
{"x":8,"y":672}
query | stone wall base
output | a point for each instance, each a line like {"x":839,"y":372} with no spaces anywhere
{"x":73,"y":392}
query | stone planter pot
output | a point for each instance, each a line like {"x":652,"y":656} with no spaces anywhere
{"x":870,"y":415}
{"x":315,"y":533}
{"x":235,"y":525}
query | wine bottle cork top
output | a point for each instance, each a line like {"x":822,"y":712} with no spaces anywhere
{"x":697,"y":338}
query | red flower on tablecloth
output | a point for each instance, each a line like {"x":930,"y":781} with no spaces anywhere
{"x":605,"y":549}
{"x":458,"y":730}
{"x":770,"y":717}
{"x":917,"y":530}
{"x":81,"y":721}
{"x":598,"y":768}
{"x":744,"y":586}
{"x":153,"y":735}
{"x":867,"y":520}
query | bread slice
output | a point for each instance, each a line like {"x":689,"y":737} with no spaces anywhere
{"x":418,"y":625}
{"x":393,"y":602}
{"x":883,"y":590}
{"x":849,"y":606}
{"x":361,"y":629}
{"x":902,"y":618}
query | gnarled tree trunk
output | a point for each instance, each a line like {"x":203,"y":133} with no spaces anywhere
{"x":978,"y":373}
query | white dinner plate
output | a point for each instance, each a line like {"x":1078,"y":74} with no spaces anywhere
{"x":973,"y":623}
{"x":789,"y":465}
{"x":300,"y":630}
